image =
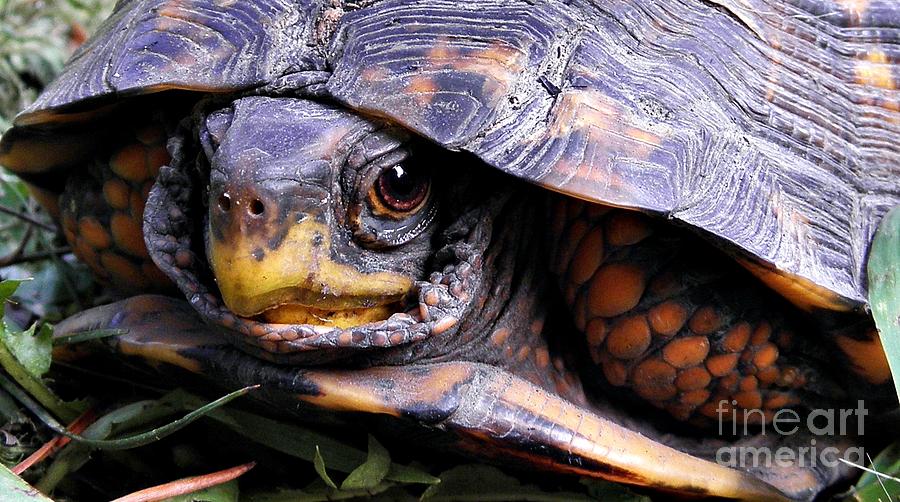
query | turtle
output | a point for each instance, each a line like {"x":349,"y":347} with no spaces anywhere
{"x":578,"y":235}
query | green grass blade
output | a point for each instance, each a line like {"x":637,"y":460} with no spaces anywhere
{"x":884,"y":288}
{"x":15,"y":489}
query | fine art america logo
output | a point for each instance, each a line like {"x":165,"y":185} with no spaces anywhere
{"x":805,"y":451}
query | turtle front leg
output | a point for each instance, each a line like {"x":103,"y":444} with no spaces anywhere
{"x":485,"y":407}
{"x":676,"y":322}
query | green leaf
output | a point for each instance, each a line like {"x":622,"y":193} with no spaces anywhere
{"x":410,"y":475}
{"x":32,"y":350}
{"x":884,"y":288}
{"x":15,"y":489}
{"x":872,"y":487}
{"x":7,"y":288}
{"x":319,"y":464}
{"x":225,"y":492}
{"x":484,"y":483}
{"x":26,"y":356}
{"x":373,"y":471}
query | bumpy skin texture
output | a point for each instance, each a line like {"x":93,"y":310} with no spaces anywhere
{"x":102,"y":211}
{"x":769,"y":127}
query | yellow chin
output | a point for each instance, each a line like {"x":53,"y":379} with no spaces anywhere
{"x":298,"y":314}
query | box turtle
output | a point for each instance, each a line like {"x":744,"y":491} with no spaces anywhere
{"x":606,"y":238}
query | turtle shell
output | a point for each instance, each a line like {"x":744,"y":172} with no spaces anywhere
{"x":771,"y":126}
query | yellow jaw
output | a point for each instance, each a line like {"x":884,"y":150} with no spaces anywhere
{"x":298,"y":282}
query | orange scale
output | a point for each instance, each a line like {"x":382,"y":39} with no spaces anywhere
{"x":667,"y":318}
{"x":765,"y":356}
{"x":737,"y":337}
{"x":588,"y":257}
{"x":542,"y":358}
{"x":624,"y":228}
{"x":694,"y":398}
{"x":748,"y":383}
{"x":762,"y":333}
{"x":767,"y":376}
{"x":596,"y":332}
{"x":722,"y":364}
{"x":705,"y":321}
{"x":86,"y":253}
{"x":728,"y":382}
{"x":570,"y":241}
{"x":121,"y":270}
{"x":116,"y":192}
{"x":128,"y":235}
{"x":130,"y":162}
{"x":93,"y":233}
{"x":711,"y":408}
{"x":629,"y":338}
{"x":687,"y":351}
{"x":156,"y":158}
{"x":499,"y":337}
{"x":615,"y":289}
{"x":693,"y":379}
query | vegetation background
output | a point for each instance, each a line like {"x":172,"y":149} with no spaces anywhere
{"x":115,"y":411}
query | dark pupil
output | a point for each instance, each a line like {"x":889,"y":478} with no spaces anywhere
{"x":401,"y":188}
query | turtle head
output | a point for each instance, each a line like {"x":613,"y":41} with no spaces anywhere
{"x":323,"y":230}
{"x":315,"y":215}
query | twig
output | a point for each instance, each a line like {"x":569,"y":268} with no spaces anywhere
{"x":20,"y":248}
{"x":40,"y":255}
{"x":27,"y":218}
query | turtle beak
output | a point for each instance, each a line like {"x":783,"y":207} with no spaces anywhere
{"x":266,"y":253}
{"x":271,"y":235}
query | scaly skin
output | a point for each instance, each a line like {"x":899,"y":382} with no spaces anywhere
{"x":102,"y":210}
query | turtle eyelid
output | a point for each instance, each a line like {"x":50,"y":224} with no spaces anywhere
{"x":377,"y":145}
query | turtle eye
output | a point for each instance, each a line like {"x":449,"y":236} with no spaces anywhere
{"x":400,"y":189}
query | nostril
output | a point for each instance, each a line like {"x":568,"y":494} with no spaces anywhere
{"x":224,"y":202}
{"x":256,"y":207}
